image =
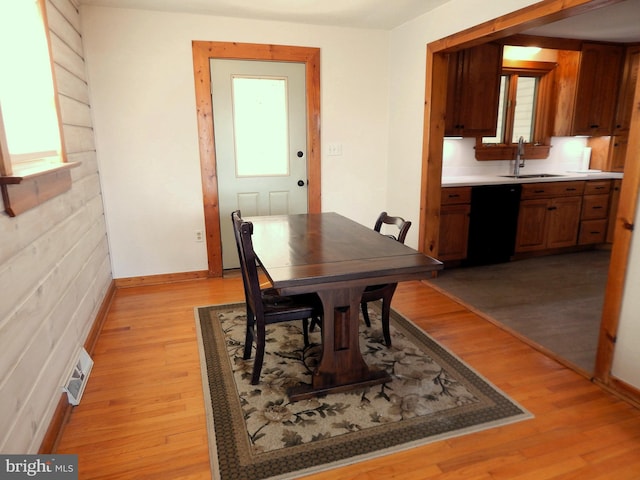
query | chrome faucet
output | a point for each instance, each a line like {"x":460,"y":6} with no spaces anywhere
{"x":519,"y":163}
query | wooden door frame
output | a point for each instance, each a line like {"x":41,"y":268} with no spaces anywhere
{"x":541,"y":13}
{"x":203,"y":52}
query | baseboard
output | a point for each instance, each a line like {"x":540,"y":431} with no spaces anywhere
{"x":622,"y":390}
{"x":101,"y":317}
{"x":64,"y":408}
{"x":160,"y":279}
{"x":56,"y":426}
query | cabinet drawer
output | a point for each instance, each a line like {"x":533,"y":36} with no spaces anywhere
{"x":592,"y":231}
{"x":595,"y":207}
{"x":552,"y":189}
{"x":595,"y":187}
{"x":455,"y":195}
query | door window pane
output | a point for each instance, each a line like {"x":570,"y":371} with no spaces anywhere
{"x":261,"y":126}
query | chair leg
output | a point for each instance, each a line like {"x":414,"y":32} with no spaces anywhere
{"x":365,"y":313}
{"x":386,"y":310}
{"x":305,"y":331}
{"x":248,"y":338}
{"x":257,"y":362}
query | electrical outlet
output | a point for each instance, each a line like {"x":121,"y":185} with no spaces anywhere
{"x":199,"y":236}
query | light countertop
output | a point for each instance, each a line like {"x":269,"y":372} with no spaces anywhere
{"x":494,"y":179}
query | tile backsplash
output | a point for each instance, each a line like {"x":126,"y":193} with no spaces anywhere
{"x":458,"y":158}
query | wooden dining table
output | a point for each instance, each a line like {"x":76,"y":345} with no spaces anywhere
{"x":336,"y":258}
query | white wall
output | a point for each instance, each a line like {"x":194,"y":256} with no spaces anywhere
{"x":54,"y":263}
{"x":407,"y":69}
{"x":140,"y":71}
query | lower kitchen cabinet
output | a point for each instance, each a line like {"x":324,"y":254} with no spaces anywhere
{"x":549,"y":216}
{"x":454,"y":223}
{"x":595,"y":212}
{"x":548,"y":223}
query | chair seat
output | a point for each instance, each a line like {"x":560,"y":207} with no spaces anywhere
{"x":373,"y":288}
{"x":294,"y":307}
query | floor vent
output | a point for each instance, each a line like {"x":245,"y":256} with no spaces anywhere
{"x":79,"y":376}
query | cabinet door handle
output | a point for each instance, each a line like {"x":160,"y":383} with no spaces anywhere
{"x":552,"y":208}
{"x":453,"y":195}
{"x":538,"y":191}
{"x":597,"y":207}
{"x":570,"y":190}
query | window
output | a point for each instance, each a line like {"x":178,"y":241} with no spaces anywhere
{"x":516,"y":109}
{"x":523,"y":111}
{"x":33,"y":165}
{"x":261,"y":126}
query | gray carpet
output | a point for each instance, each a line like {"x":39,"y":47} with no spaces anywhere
{"x":556,"y":301}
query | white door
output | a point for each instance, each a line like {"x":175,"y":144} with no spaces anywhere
{"x":259,"y":121}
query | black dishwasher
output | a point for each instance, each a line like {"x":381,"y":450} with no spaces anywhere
{"x":493,"y":223}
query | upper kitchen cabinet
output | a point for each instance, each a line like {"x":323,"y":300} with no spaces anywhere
{"x":610,"y":153}
{"x":627,"y":91}
{"x":473,"y":90}
{"x":588,"y":86}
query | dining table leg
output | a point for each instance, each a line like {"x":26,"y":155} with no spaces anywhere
{"x":341,"y":366}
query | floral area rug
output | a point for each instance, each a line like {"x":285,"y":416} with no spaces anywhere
{"x":256,"y":433}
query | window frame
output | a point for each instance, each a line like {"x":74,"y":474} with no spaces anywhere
{"x":540,"y":146}
{"x":25,"y":185}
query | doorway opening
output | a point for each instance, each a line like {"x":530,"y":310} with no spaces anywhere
{"x":203,"y":53}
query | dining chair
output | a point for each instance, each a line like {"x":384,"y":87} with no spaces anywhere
{"x":264,"y":305}
{"x":384,"y":292}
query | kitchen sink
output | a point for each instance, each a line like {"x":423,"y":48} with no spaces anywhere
{"x":533,"y":175}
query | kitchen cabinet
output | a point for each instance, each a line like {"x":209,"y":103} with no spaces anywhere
{"x":454,"y":223}
{"x":610,"y":154}
{"x":627,"y":91}
{"x":588,"y":86}
{"x":472,"y":91}
{"x":595,"y":212}
{"x":549,"y":215}
{"x":598,"y":85}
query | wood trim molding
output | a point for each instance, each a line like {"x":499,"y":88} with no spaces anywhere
{"x":23,"y":192}
{"x":203,"y":52}
{"x":537,"y":14}
{"x":160,"y":279}
{"x":64,"y":408}
{"x":623,"y":235}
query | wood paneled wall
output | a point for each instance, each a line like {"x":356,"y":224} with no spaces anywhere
{"x":55,"y":269}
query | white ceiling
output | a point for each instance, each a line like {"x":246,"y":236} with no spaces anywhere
{"x":378,"y":14}
{"x":617,"y":23}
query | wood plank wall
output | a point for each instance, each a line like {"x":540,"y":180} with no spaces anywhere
{"x":55,"y":269}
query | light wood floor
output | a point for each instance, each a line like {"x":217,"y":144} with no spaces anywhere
{"x":142,"y":414}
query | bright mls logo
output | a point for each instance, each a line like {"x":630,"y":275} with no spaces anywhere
{"x":51,"y":467}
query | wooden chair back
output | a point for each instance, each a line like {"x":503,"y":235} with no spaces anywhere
{"x":402,"y":224}
{"x":243,"y":231}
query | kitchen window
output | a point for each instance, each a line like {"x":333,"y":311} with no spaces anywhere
{"x":33,"y":165}
{"x":525,"y":107}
